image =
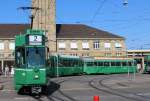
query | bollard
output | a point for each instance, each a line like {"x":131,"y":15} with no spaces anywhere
{"x":96,"y":98}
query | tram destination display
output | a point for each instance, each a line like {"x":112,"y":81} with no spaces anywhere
{"x":35,"y":40}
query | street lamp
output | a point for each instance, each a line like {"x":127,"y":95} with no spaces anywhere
{"x":57,"y":66}
{"x":32,"y":16}
{"x":125,"y":2}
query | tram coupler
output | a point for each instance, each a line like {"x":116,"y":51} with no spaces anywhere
{"x":36,"y":89}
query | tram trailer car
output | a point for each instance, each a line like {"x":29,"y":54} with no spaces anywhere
{"x":30,"y":62}
{"x":109,"y":66}
{"x":147,"y":64}
{"x":63,"y":65}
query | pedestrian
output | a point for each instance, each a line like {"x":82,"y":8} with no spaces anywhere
{"x":12,"y":70}
{"x":9,"y":69}
{"x":6,"y":70}
{"x":0,"y":71}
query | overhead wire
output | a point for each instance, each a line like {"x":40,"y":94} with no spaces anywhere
{"x":98,"y":10}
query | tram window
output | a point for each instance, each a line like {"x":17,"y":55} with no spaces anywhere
{"x":35,"y":57}
{"x":113,"y":63}
{"x":95,"y":63}
{"x":118,"y":64}
{"x":124,"y":64}
{"x":100,"y":64}
{"x":66,"y":64}
{"x":74,"y":63}
{"x":60,"y":64}
{"x":52,"y":63}
{"x":106,"y":63}
{"x":71,"y":63}
{"x":129,"y":63}
{"x":18,"y":62}
{"x":148,"y":63}
{"x":90,"y":64}
{"x":20,"y":57}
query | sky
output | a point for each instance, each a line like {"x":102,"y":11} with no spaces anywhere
{"x":131,"y":21}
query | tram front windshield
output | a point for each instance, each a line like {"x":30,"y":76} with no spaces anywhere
{"x":35,"y":57}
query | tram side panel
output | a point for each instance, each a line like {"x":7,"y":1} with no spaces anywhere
{"x":108,"y":66}
{"x":63,"y":65}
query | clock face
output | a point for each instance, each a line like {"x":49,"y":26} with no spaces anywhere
{"x":35,"y":40}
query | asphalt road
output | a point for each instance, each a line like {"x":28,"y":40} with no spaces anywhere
{"x":116,"y":87}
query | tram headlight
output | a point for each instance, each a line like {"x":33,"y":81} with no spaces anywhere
{"x":36,"y":76}
{"x":23,"y":74}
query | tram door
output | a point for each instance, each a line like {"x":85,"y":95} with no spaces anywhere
{"x":139,"y":64}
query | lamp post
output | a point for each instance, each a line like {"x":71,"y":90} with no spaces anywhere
{"x":142,"y":55}
{"x":125,"y":2}
{"x":32,"y":16}
{"x":57,"y":71}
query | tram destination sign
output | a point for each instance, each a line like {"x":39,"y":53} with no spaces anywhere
{"x":35,"y":40}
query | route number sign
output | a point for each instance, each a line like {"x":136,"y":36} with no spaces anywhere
{"x":35,"y":40}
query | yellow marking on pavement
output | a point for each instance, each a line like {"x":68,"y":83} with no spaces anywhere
{"x":77,"y":89}
{"x":7,"y":90}
{"x":23,"y":98}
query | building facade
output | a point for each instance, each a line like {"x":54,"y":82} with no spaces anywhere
{"x":6,"y":52}
{"x":7,"y":42}
{"x":71,"y":39}
{"x":83,"y":40}
{"x":140,"y":56}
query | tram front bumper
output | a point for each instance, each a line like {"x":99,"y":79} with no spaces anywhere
{"x":30,"y":77}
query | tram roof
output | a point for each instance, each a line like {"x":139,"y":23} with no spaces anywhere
{"x":69,"y":56}
{"x":107,"y":59}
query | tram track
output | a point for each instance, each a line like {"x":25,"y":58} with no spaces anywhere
{"x":62,"y":92}
{"x":49,"y":96}
{"x":98,"y":84}
{"x":54,"y":98}
{"x":103,"y":88}
{"x":124,"y":92}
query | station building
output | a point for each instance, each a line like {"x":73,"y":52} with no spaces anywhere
{"x":7,"y":42}
{"x":83,"y":40}
{"x":71,"y":39}
{"x":140,"y":56}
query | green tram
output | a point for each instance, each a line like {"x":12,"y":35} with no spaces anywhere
{"x":108,"y":66}
{"x":62,"y":65}
{"x":147,"y":64}
{"x":31,"y":67}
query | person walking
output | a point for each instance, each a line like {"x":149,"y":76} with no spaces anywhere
{"x":0,"y":71}
{"x":12,"y":71}
{"x":6,"y":70}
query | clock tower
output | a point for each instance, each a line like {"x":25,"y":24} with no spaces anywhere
{"x":44,"y":18}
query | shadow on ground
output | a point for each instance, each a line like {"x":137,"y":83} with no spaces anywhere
{"x":52,"y":87}
{"x":46,"y":90}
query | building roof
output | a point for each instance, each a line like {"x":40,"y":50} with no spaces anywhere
{"x":10,"y":30}
{"x":82,"y":31}
{"x":62,"y":30}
